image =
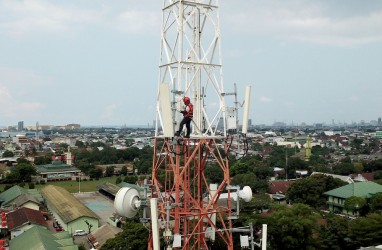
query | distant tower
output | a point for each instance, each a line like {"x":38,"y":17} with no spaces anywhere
{"x":308,"y":149}
{"x":37,"y":136}
{"x":379,"y":121}
{"x":20,"y":126}
{"x":68,"y":157}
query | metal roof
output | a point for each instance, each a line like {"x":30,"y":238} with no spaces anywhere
{"x":56,"y":167}
{"x":10,"y":194}
{"x":360,"y":189}
{"x":40,"y":238}
{"x":65,"y":204}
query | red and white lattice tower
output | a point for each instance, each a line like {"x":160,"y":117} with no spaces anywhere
{"x":189,"y":214}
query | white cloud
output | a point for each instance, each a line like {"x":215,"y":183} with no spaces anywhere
{"x":15,"y":109}
{"x":308,"y":22}
{"x":265,"y":99}
{"x":138,"y":22}
{"x":108,"y":112}
{"x":28,"y":17}
{"x":21,"y":18}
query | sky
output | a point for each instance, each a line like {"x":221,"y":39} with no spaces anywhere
{"x":95,"y":62}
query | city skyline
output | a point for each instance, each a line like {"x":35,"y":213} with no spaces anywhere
{"x":334,"y":123}
{"x":96,"y":63}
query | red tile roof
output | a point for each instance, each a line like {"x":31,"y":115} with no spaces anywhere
{"x":24,"y":215}
{"x":279,"y":186}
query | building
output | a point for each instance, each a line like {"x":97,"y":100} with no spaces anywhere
{"x":347,"y":179}
{"x":40,"y":238}
{"x":99,"y":237}
{"x":69,"y":212}
{"x":337,"y":197}
{"x":378,"y":134}
{"x":20,"y":126}
{"x":17,"y":197}
{"x":57,"y":171}
{"x":23,"y":219}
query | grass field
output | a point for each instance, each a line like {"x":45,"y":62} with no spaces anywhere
{"x":74,"y":186}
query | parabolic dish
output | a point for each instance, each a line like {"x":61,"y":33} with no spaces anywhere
{"x":125,"y":202}
{"x":246,"y":194}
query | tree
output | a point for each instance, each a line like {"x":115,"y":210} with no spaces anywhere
{"x":258,"y":203}
{"x":310,"y":190}
{"x":376,"y":203}
{"x":356,"y":143}
{"x":42,"y":160}
{"x":89,"y":226}
{"x":263,"y":172}
{"x":124,"y":171}
{"x":131,"y":179}
{"x":214,"y":174}
{"x":22,"y":172}
{"x":22,"y":160}
{"x":354,"y":204}
{"x":333,"y":234}
{"x":366,"y":231}
{"x":8,"y":153}
{"x":344,"y":169}
{"x":118,"y":180}
{"x":80,"y":144}
{"x":239,"y":168}
{"x":95,"y":173}
{"x":242,"y":180}
{"x":292,"y":227}
{"x":134,"y":236}
{"x":109,"y":171}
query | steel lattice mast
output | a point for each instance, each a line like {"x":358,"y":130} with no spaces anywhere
{"x":190,"y":65}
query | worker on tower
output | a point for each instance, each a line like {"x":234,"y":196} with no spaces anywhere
{"x":187,"y":117}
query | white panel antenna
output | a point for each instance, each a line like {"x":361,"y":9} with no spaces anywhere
{"x":246,"y":109}
{"x":231,"y":118}
{"x":165,"y":106}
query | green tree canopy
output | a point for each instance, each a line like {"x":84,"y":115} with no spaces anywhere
{"x":366,"y":231}
{"x":310,"y":190}
{"x":8,"y":153}
{"x":292,"y":227}
{"x":355,"y":203}
{"x":333,"y":234}
{"x":376,"y":203}
{"x":22,"y":172}
{"x":134,"y":236}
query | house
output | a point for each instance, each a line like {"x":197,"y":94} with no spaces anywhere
{"x":347,"y":179}
{"x":102,"y":234}
{"x":278,"y":189}
{"x":69,"y":212}
{"x":25,"y":200}
{"x":337,"y":197}
{"x":57,"y":171}
{"x":41,"y":238}
{"x":23,"y":219}
{"x":16,"y":197}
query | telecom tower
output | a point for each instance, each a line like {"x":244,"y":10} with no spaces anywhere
{"x":186,"y":209}
{"x":189,"y":208}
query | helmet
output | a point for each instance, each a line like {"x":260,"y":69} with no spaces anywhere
{"x":186,"y":99}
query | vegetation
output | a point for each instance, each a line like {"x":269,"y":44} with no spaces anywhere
{"x":134,"y":236}
{"x":298,"y":225}
{"x":310,"y":190}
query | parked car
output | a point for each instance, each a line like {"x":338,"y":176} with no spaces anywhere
{"x":79,"y":233}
